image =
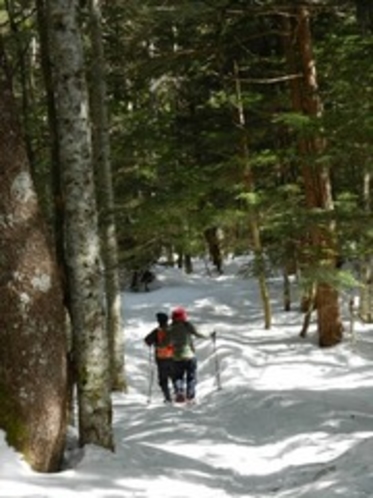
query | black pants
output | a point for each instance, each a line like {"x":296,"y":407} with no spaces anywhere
{"x":165,"y":374}
{"x":186,"y":376}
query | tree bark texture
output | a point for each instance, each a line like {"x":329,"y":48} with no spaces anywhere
{"x":58,"y":213}
{"x":213,"y":239}
{"x":316,"y":177}
{"x":91,"y":351}
{"x":366,"y":264}
{"x":105,"y":197}
{"x":33,"y":376}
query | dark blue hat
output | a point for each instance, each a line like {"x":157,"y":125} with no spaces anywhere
{"x":162,"y":318}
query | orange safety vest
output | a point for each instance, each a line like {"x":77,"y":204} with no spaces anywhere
{"x":163,"y":350}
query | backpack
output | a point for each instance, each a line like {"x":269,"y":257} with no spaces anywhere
{"x":163,"y":347}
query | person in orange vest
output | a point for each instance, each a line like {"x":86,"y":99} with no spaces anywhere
{"x":164,"y":352}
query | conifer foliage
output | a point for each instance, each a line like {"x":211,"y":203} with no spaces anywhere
{"x":219,"y":128}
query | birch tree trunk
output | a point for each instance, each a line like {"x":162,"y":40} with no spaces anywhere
{"x":91,"y":352}
{"x":105,"y":196}
{"x":33,"y":380}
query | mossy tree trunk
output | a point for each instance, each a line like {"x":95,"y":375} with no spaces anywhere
{"x":33,"y":373}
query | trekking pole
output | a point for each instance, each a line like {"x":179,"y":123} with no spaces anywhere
{"x":151,"y":375}
{"x":216,"y":361}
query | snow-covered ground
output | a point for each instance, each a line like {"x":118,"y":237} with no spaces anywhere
{"x":291,"y":420}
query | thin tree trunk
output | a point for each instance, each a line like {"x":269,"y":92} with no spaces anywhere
{"x":213,"y":239}
{"x":102,"y":165}
{"x":286,"y":290}
{"x":23,"y":70}
{"x":308,"y":305}
{"x":33,"y":374}
{"x":188,"y":263}
{"x":253,"y":216}
{"x":91,"y":350}
{"x":366,"y":264}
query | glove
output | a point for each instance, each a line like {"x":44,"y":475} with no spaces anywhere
{"x":148,"y":341}
{"x":213,"y":334}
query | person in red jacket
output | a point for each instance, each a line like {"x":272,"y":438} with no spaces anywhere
{"x":185,"y":361}
{"x":161,"y":340}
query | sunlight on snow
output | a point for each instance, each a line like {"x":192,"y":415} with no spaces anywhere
{"x":282,"y":376}
{"x":270,"y":458}
{"x":291,"y":421}
{"x":164,"y":487}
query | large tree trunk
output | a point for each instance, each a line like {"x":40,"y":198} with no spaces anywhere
{"x":33,"y":381}
{"x":91,"y":351}
{"x":317,"y":184}
{"x":319,"y":195}
{"x":105,"y":195}
{"x":58,"y":210}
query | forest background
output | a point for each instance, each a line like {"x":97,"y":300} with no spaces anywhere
{"x":131,"y":132}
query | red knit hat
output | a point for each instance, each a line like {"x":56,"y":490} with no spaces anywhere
{"x":179,"y":314}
